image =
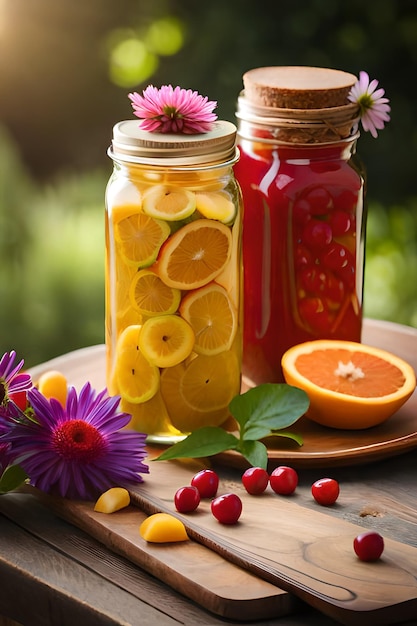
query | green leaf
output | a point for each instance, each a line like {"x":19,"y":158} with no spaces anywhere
{"x":255,"y":452}
{"x":284,"y":433}
{"x":202,"y":442}
{"x":268,"y":407}
{"x":12,"y":477}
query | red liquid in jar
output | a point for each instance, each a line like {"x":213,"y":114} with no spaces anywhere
{"x":303,"y":242}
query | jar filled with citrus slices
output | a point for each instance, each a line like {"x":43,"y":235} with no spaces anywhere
{"x":173,"y":278}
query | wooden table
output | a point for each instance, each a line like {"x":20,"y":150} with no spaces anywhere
{"x":54,"y":574}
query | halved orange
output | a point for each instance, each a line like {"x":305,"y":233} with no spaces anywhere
{"x":139,"y":238}
{"x":212,"y":316}
{"x":182,"y":415}
{"x":166,"y":340}
{"x":216,"y":205}
{"x":149,"y":295}
{"x":210,"y":382}
{"x":168,"y":203}
{"x":136,"y":380}
{"x":350,"y":385}
{"x":195,"y":254}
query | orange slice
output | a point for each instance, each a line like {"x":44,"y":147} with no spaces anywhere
{"x":182,"y":415}
{"x":139,"y":238}
{"x":210,"y":382}
{"x":195,"y":254}
{"x":168,"y":203}
{"x":216,"y":205}
{"x":166,"y":340}
{"x":212,"y":316}
{"x":150,"y":296}
{"x":350,"y":385}
{"x":136,"y":379}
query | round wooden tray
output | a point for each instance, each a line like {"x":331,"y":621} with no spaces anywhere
{"x":322,"y":447}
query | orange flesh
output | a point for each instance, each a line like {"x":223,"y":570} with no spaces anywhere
{"x":381,"y":377}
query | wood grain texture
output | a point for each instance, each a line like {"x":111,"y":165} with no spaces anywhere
{"x":200,"y":574}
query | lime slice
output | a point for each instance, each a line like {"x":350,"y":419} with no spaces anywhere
{"x":216,"y":205}
{"x":150,"y":296}
{"x":168,"y":203}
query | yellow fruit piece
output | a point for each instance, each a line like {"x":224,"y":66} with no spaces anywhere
{"x":182,"y":415}
{"x":350,"y":385}
{"x":150,"y":296}
{"x":195,"y":254}
{"x":213,"y":318}
{"x":112,"y":500}
{"x":168,"y":203}
{"x":162,"y":528}
{"x":53,"y":384}
{"x":136,"y":379}
{"x":166,"y":340}
{"x":210,"y":382}
{"x":216,"y":205}
{"x":139,"y":239}
{"x":150,"y":417}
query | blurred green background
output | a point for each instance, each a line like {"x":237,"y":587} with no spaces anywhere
{"x":66,"y":68}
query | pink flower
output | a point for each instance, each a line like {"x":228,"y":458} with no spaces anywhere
{"x":374,"y":108}
{"x":169,"y":110}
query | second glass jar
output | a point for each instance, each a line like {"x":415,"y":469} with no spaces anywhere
{"x":304,"y":230}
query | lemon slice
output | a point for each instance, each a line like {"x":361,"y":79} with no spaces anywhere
{"x":150,"y":417}
{"x":168,"y":203}
{"x":182,"y":415}
{"x":195,"y":254}
{"x":350,"y":385}
{"x":210,"y":382}
{"x":136,"y":379}
{"x":216,"y":205}
{"x":166,"y":340}
{"x":139,"y":238}
{"x":212,"y":316}
{"x":150,"y":296}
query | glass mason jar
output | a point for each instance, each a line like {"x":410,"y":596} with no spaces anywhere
{"x":304,"y":219}
{"x":173,"y":278}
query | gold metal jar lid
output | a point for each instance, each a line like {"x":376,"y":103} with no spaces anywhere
{"x":133,"y":145}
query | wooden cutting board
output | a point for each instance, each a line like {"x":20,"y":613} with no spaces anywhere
{"x":277,"y":545}
{"x":197,"y":572}
{"x":299,"y":549}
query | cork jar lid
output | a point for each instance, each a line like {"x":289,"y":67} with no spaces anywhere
{"x":298,"y":87}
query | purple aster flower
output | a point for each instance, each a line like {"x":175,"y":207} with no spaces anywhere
{"x":11,"y":381}
{"x":13,"y":388}
{"x":79,"y":450}
{"x":169,"y":110}
{"x":373,"y":107}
